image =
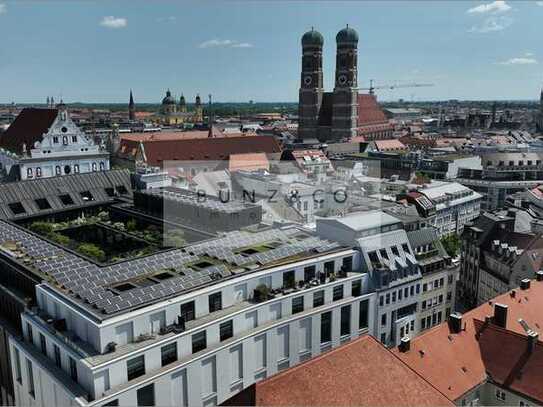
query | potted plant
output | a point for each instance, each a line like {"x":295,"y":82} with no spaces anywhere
{"x":261,"y":293}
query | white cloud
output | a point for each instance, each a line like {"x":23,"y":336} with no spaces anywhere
{"x":492,"y":24}
{"x":114,"y":22}
{"x":529,"y":54}
{"x":539,"y":3}
{"x":242,"y":45}
{"x":519,"y":61}
{"x":3,"y":8}
{"x":217,"y":43}
{"x":496,"y":7}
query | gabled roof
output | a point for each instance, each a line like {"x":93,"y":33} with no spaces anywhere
{"x":360,"y":373}
{"x":209,"y":148}
{"x":455,"y":363}
{"x":51,"y":189}
{"x":29,"y":126}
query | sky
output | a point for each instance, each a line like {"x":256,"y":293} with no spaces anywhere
{"x":96,"y":51}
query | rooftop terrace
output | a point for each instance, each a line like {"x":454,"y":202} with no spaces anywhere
{"x":105,"y":290}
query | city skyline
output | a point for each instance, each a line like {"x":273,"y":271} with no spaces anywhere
{"x":106,"y":49}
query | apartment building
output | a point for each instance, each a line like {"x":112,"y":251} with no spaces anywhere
{"x":439,"y":275}
{"x":503,"y":174}
{"x":386,"y":256}
{"x":496,"y":257}
{"x":447,"y":206}
{"x":186,"y":326}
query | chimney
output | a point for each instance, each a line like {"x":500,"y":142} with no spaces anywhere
{"x":525,"y":284}
{"x":455,"y":322}
{"x":500,"y":315}
{"x":405,"y":344}
{"x":539,"y":275}
{"x":533,"y":337}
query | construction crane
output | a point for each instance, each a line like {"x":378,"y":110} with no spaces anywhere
{"x":396,"y":86}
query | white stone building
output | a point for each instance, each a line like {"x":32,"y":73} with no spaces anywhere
{"x":117,"y":335}
{"x":44,"y":143}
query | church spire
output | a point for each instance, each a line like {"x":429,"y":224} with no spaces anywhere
{"x":131,"y":107}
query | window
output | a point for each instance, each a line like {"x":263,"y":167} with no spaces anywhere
{"x":318,"y":298}
{"x":17,"y":208}
{"x":288,"y":279}
{"x":66,"y":199}
{"x":345,"y":320}
{"x":338,"y":292}
{"x":387,"y":298}
{"x":74,"y":139}
{"x":18,"y":366}
{"x":94,"y":168}
{"x":38,"y":172}
{"x":43,"y":204}
{"x":199,"y":342}
{"x":65,"y":140}
{"x":363,"y":314}
{"x":309,"y":273}
{"x":112,"y":403}
{"x":135,"y":367}
{"x":146,"y":395}
{"x":297,"y":304}
{"x":30,"y":373}
{"x":215,"y":302}
{"x":29,"y":173}
{"x":500,"y":395}
{"x":384,"y":253}
{"x":67,"y":169}
{"x":43,"y":344}
{"x":76,"y":168}
{"x":168,"y":353}
{"x":394,"y":296}
{"x":356,"y":288}
{"x":57,"y":170}
{"x":58,"y":360}
{"x":73,"y":370}
{"x":326,"y":327}
{"x":102,"y":166}
{"x":382,"y":300}
{"x":328,"y":268}
{"x":29,"y":333}
{"x":384,"y":319}
{"x":86,"y":196}
{"x":187,"y":311}
{"x":226,"y":330}
{"x":55,"y":140}
{"x":395,"y":251}
{"x":347,"y":264}
{"x":412,"y":290}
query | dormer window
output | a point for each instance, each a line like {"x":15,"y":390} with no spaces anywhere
{"x":76,"y":168}
{"x":38,"y":172}
{"x":65,"y":140}
{"x":55,"y":139}
{"x":74,"y":139}
{"x":29,"y":173}
{"x":102,"y":166}
{"x":57,"y":170}
{"x":94,"y":166}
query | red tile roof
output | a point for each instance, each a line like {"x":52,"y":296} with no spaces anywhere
{"x":455,"y":363}
{"x":208,"y":148}
{"x":360,"y":373}
{"x":248,"y":162}
{"x":369,"y":111}
{"x":27,"y":128}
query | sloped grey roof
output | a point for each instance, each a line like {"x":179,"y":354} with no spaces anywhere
{"x":422,"y":237}
{"x":27,"y":192}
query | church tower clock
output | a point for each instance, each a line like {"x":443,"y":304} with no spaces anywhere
{"x":311,"y":86}
{"x":345,"y":106}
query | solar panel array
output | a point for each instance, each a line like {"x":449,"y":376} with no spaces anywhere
{"x":152,"y":278}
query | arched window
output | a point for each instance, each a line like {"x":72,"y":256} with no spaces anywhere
{"x":94,"y":166}
{"x":76,"y":168}
{"x":38,"y":172}
{"x":65,"y":140}
{"x":57,"y":170}
{"x":29,"y":173}
{"x":102,"y":166}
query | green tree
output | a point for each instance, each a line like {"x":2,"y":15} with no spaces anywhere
{"x":92,"y":251}
{"x":41,"y":227}
{"x":451,"y":243}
